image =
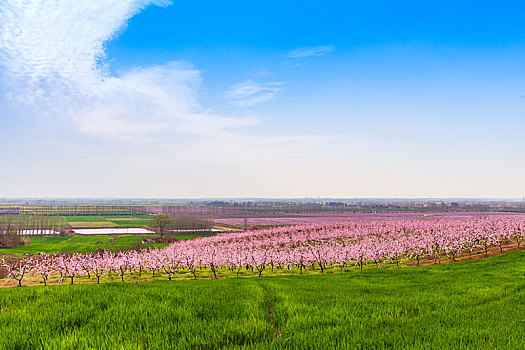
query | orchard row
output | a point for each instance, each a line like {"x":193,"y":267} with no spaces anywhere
{"x":319,"y":246}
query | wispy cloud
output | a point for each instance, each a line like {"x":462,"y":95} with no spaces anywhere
{"x":51,"y":53}
{"x":311,"y":51}
{"x":249,"y":93}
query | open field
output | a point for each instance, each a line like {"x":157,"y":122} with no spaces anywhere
{"x":58,"y":223}
{"x":86,"y":244}
{"x":108,"y":221}
{"x":74,"y":244}
{"x":475,"y":304}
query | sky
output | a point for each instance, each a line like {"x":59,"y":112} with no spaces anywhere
{"x":221,"y":99}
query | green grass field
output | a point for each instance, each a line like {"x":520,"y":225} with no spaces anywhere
{"x":477,"y":304}
{"x":85,"y":244}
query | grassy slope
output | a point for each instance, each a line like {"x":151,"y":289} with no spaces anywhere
{"x":475,"y":304}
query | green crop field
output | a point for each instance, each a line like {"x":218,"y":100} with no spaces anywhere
{"x":86,"y":244}
{"x":62,"y":244}
{"x":97,"y":239}
{"x":84,"y":218}
{"x":73,"y":244}
{"x":109,"y":221}
{"x":474,"y":304}
{"x":148,"y":217}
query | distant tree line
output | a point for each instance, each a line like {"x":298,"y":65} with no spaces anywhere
{"x":73,"y":210}
{"x":9,"y":237}
{"x":13,"y":227}
{"x":214,"y":208}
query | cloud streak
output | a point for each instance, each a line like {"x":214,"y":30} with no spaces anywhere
{"x":313,"y":51}
{"x":250,"y":93}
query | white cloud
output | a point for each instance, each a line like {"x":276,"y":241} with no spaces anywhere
{"x":311,"y":51}
{"x":50,"y":54}
{"x":249,"y":93}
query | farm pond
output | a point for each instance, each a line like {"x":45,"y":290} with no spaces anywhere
{"x":90,"y":231}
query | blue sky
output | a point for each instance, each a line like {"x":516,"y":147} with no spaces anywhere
{"x":125,"y":98}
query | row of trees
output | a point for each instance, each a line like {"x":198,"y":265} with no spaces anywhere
{"x":75,"y":210}
{"x":181,"y":223}
{"x":33,"y":225}
{"x":319,"y":246}
{"x":215,"y":208}
{"x":13,"y":227}
{"x":9,"y":237}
